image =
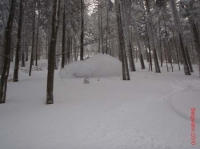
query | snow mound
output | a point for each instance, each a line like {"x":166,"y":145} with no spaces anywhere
{"x":100,"y":65}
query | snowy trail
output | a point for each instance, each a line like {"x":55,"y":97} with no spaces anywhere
{"x":107,"y":114}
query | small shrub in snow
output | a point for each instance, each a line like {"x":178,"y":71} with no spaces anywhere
{"x":86,"y":81}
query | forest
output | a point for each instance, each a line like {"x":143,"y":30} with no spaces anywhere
{"x":117,"y":73}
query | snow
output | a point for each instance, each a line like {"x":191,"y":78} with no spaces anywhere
{"x":149,"y":112}
{"x":100,"y":65}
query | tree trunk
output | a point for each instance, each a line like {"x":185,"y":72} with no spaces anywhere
{"x":82,"y":31}
{"x":196,"y":40}
{"x":125,"y":70}
{"x":18,"y":49}
{"x":63,"y":40}
{"x":132,"y":64}
{"x":7,"y":52}
{"x":33,"y":40}
{"x":189,"y":60}
{"x":52,"y":50}
{"x":179,"y":31}
{"x":36,"y":48}
{"x":151,"y":38}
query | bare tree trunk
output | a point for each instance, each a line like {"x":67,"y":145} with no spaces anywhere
{"x":189,"y":60}
{"x":150,"y":56}
{"x":151,"y":38}
{"x":68,"y":49}
{"x":99,"y":28}
{"x":179,"y":31}
{"x":107,"y":22}
{"x":7,"y":52}
{"x":33,"y":40}
{"x":132,"y":63}
{"x":36,"y":48}
{"x":63,"y":39}
{"x":23,"y":52}
{"x":52,"y":50}
{"x":196,"y":40}
{"x":125,"y":70}
{"x":102,"y":39}
{"x":82,"y":31}
{"x":18,"y":49}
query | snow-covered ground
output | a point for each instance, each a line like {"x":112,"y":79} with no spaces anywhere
{"x":152,"y":111}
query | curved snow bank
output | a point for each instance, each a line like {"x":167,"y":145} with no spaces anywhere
{"x":183,"y":101}
{"x":100,"y":65}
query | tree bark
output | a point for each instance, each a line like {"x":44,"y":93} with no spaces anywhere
{"x":52,"y":50}
{"x":7,"y":52}
{"x":82,"y":31}
{"x":33,"y":40}
{"x":63,"y":39}
{"x":179,"y":31}
{"x":18,"y":49}
{"x":125,"y":70}
{"x":151,"y":38}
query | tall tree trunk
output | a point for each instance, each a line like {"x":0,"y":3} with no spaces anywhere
{"x":7,"y":52}
{"x":36,"y":48}
{"x":99,"y":28}
{"x":150,"y":56}
{"x":52,"y":50}
{"x":125,"y":70}
{"x":82,"y":31}
{"x":33,"y":40}
{"x":23,"y":53}
{"x":18,"y":49}
{"x":63,"y":39}
{"x":196,"y":40}
{"x":102,"y":38}
{"x":151,"y":38}
{"x":179,"y":31}
{"x":107,"y":22}
{"x":189,"y":60}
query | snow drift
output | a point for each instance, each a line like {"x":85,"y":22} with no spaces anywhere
{"x":100,"y":65}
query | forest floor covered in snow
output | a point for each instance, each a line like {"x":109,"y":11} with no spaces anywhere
{"x":152,"y":111}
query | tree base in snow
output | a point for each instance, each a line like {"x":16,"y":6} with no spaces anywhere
{"x":49,"y":101}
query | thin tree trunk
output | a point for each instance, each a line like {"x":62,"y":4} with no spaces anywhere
{"x":107,"y":21}
{"x":36,"y":48}
{"x":63,"y":40}
{"x":82,"y":31}
{"x":23,"y":53}
{"x":33,"y":40}
{"x":18,"y":49}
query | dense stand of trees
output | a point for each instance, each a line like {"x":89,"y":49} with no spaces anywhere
{"x":161,"y":32}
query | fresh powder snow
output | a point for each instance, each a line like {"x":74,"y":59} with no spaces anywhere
{"x":100,"y":65}
{"x":152,"y":111}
